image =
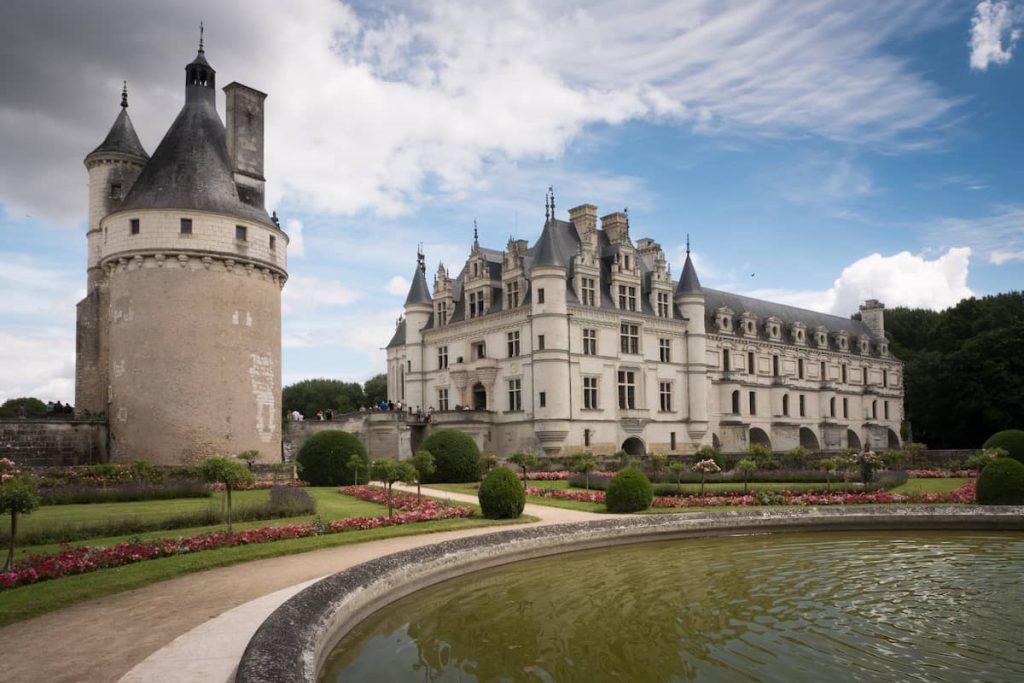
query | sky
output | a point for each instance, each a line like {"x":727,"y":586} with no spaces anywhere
{"x":817,"y":152}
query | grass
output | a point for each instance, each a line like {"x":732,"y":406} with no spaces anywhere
{"x":944,"y":485}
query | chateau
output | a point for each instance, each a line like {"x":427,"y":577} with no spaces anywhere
{"x":585,"y":342}
{"x":179,"y":334}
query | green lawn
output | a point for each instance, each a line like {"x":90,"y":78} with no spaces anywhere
{"x":944,"y":485}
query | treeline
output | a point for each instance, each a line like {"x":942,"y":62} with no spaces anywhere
{"x":312,"y":395}
{"x":964,"y":368}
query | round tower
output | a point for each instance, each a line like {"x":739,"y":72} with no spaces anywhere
{"x":689,"y":297}
{"x":194,"y":268}
{"x":418,"y":307}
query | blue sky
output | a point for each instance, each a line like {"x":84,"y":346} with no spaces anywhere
{"x":818,"y":153}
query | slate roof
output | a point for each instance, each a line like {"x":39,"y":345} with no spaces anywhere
{"x":419,"y":293}
{"x":715,"y":299}
{"x":546,"y":251}
{"x":398,"y":338}
{"x":121,"y":139}
{"x":688,"y":282}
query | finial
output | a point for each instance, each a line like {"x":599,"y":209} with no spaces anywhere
{"x":201,"y":51}
{"x":551,"y":189}
{"x":547,"y":206}
{"x":476,"y":235}
{"x":273,"y":217}
{"x":124,"y":95}
{"x":420,"y":259}
{"x":687,"y":244}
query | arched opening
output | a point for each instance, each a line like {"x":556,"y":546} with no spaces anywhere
{"x":736,"y":402}
{"x":894,"y":439}
{"x":832,"y":407}
{"x":785,"y":404}
{"x":852,"y":440}
{"x":716,"y":443}
{"x":874,"y":410}
{"x":759,"y":436}
{"x":479,"y":397}
{"x":634,"y":446}
{"x":808,"y":440}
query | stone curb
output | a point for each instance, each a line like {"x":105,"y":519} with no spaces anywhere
{"x":292,"y":644}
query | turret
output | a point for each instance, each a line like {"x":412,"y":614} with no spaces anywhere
{"x":418,"y":307}
{"x":872,"y":312}
{"x":200,"y":78}
{"x":689,"y":297}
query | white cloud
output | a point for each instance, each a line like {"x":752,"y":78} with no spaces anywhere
{"x":398,"y":285}
{"x":999,"y":235}
{"x":994,"y":33}
{"x":903,"y":279}
{"x":38,"y":362}
{"x":306,"y":294}
{"x":999,"y":257}
{"x":296,"y":242}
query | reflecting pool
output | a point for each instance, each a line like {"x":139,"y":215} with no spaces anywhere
{"x":851,"y":606}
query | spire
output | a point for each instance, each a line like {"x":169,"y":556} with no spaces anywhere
{"x":419,"y":293}
{"x":687,"y":245}
{"x":200,"y":77}
{"x":545,"y":252}
{"x":688,"y":282}
{"x":476,"y":235}
{"x":551,"y":189}
{"x":124,"y":95}
{"x":122,"y":138}
{"x":201,"y":50}
{"x":547,"y":207}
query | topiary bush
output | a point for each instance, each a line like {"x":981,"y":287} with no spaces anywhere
{"x":629,"y":491}
{"x":456,"y":457}
{"x":1001,"y":483}
{"x":502,"y":495}
{"x":1010,"y":440}
{"x":324,"y":459}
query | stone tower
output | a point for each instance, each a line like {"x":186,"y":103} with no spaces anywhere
{"x":179,"y":336}
{"x":689,"y":297}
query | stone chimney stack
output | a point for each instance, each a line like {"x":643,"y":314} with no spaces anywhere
{"x":245,"y":141}
{"x":616,"y":226}
{"x":872,"y":312}
{"x":584,"y":217}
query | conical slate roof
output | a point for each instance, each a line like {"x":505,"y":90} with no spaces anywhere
{"x":122,"y":138}
{"x":688,"y":282}
{"x":419,"y":293}
{"x":546,"y":252}
{"x":190,"y":168}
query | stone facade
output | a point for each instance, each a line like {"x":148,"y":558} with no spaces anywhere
{"x":179,"y":335}
{"x":585,"y":342}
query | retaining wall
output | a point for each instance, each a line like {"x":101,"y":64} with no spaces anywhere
{"x":52,"y":442}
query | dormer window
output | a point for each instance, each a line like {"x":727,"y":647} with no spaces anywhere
{"x":723,"y":319}
{"x":749,"y":324}
{"x":799,"y":333}
{"x":842,"y":341}
{"x":773,"y":328}
{"x":865,"y":345}
{"x":883,"y":348}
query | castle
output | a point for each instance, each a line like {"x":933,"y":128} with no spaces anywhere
{"x":584,"y":342}
{"x":179,"y":334}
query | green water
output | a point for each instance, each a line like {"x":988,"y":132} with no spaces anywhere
{"x":889,"y":606}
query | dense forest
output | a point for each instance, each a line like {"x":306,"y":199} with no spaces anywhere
{"x":312,"y":395}
{"x":964,"y":368}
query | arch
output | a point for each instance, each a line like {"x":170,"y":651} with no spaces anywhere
{"x":808,"y":440}
{"x":479,"y":397}
{"x":852,"y":440}
{"x":759,"y":436}
{"x":736,"y":402}
{"x":894,"y":439}
{"x":634,"y":446}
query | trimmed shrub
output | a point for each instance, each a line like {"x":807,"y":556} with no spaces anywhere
{"x":629,"y":491}
{"x":1001,"y":483}
{"x":502,"y":495}
{"x":1010,"y":440}
{"x":456,"y":457}
{"x":324,"y":459}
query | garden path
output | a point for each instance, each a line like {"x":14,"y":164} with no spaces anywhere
{"x":195,"y":627}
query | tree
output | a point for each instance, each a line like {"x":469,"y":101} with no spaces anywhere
{"x":249,"y":457}
{"x":678,"y":467}
{"x":746,"y":467}
{"x":390,"y":471}
{"x":424,"y":464}
{"x":17,"y":497}
{"x":706,"y":467}
{"x":231,"y":473}
{"x":375,"y":389}
{"x":526,"y":461}
{"x":23,"y":407}
{"x":763,"y":456}
{"x":583,"y":463}
{"x":312,"y":395}
{"x":658,"y":462}
{"x":828,"y":465}
{"x":356,"y":462}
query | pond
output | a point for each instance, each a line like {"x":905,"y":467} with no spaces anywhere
{"x":837,"y":606}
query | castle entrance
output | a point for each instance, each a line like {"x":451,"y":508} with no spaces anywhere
{"x":479,"y":397}
{"x":634,"y":446}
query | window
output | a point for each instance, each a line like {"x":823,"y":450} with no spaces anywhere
{"x":442,"y":313}
{"x":513,"y":344}
{"x":241,"y":233}
{"x":442,"y":399}
{"x":672,"y":440}
{"x":846,"y":407}
{"x":273,"y":243}
{"x":480,"y":350}
{"x":736,"y":402}
{"x":627,"y":298}
{"x":476,"y":304}
{"x":589,"y":342}
{"x":753,"y":403}
{"x":515,"y":395}
{"x":665,"y":396}
{"x":540,"y":295}
{"x":665,"y":350}
{"x":625,"y":260}
{"x":725,"y":360}
{"x":885,"y":378}
{"x":663,"y":310}
{"x":824,"y":374}
{"x":590,"y":393}
{"x":512,"y":295}
{"x":750,"y":362}
{"x":476,"y":268}
{"x":874,"y":410}
{"x":115,"y":190}
{"x":542,"y":398}
{"x":832,"y":407}
{"x":186,"y":226}
{"x":844,"y":368}
{"x":803,"y":406}
{"x":775,"y":366}
{"x":442,"y":357}
{"x":134,"y":223}
{"x":629,"y":336}
{"x":800,"y":368}
{"x":409,"y":362}
{"x":885,"y":409}
{"x":627,"y":389}
{"x":588,"y":291}
{"x":785,"y":405}
{"x":586,"y":437}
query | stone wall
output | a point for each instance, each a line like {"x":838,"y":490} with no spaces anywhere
{"x":53,"y":442}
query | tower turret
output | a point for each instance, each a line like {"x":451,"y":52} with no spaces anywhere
{"x":200,"y":78}
{"x":418,"y":308}
{"x":689,"y":297}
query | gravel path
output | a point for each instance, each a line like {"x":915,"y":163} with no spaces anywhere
{"x":195,"y":627}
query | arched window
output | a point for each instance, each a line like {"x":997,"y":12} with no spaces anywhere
{"x":736,"y":402}
{"x":725,"y":360}
{"x":832,"y":407}
{"x":874,"y":410}
{"x":785,"y":404}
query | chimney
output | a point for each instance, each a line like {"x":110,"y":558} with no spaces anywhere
{"x":872,"y":312}
{"x":245,"y":141}
{"x":584,"y":217}
{"x":616,"y":227}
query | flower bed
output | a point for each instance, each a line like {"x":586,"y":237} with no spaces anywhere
{"x":261,"y":484}
{"x":964,"y":494}
{"x":941,"y":474}
{"x":83,"y":559}
{"x":562,"y":475}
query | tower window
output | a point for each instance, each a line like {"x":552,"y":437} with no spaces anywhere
{"x":540,"y":342}
{"x":135,"y":226}
{"x":753,"y":403}
{"x":273,"y":243}
{"x":750,"y":362}
{"x":540,"y":295}
{"x":803,"y":405}
{"x":241,"y":233}
{"x":115,"y":190}
{"x":775,"y":366}
{"x":186,"y":226}
{"x":800,"y":368}
{"x":725,"y":360}
{"x":542,"y":398}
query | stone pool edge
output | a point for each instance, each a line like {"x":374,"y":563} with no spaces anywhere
{"x":293,"y":642}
